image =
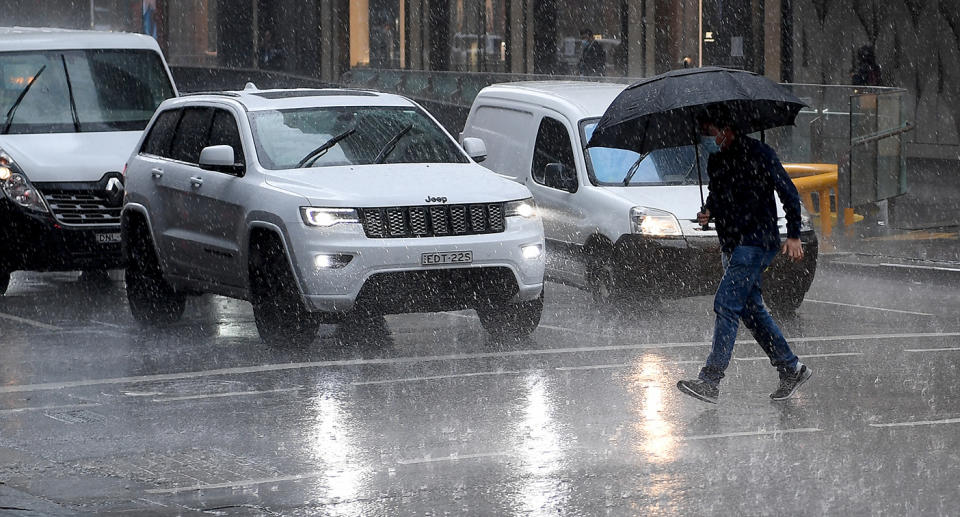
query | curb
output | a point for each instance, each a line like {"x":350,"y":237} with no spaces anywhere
{"x":890,"y":267}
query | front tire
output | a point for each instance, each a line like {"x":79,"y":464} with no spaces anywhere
{"x":511,"y":320}
{"x":153,"y":302}
{"x":278,"y":309}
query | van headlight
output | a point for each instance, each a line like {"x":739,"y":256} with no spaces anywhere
{"x":651,"y":222}
{"x":17,"y":188}
{"x":806,"y":225}
{"x":525,"y":208}
{"x":327,"y":217}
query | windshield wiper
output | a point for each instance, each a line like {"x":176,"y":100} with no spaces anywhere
{"x":633,"y":169}
{"x":16,"y":104}
{"x":387,"y":149}
{"x":315,"y":154}
{"x":73,"y":103}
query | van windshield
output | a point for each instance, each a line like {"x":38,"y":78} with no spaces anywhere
{"x":671,"y":166}
{"x":81,"y":90}
{"x":286,"y":139}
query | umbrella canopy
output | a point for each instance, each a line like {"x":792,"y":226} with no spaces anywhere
{"x":662,"y":111}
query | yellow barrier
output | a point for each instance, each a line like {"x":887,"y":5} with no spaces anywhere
{"x":820,"y":178}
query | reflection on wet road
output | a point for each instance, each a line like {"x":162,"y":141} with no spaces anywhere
{"x":428,"y":415}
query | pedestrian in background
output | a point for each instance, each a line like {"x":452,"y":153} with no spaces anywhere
{"x":744,"y":173}
{"x":593,"y":59}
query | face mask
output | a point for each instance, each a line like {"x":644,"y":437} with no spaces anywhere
{"x":709,"y":144}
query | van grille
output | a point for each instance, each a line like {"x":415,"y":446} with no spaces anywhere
{"x":82,"y":208}
{"x":432,"y":221}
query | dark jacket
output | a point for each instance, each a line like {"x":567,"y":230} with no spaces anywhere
{"x":593,"y":59}
{"x":743,"y":178}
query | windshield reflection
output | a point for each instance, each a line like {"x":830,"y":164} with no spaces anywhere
{"x":671,"y":166}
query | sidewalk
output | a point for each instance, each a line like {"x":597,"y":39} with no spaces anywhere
{"x":931,"y":255}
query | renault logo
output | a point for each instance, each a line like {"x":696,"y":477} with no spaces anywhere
{"x":112,"y":184}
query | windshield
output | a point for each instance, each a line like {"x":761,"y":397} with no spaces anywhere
{"x":285,"y":138}
{"x":113,"y":90}
{"x":671,"y":166}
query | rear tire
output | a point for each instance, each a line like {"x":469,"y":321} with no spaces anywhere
{"x":278,"y":309}
{"x":4,"y":281}
{"x":152,"y":300}
{"x":784,"y":302}
{"x":511,"y":320}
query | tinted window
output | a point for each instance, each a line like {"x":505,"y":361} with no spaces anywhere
{"x":191,"y":134}
{"x":161,"y":134}
{"x":224,"y":132}
{"x":552,"y":146}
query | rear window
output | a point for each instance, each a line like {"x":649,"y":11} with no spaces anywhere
{"x":80,"y":90}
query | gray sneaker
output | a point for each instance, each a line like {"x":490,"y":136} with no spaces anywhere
{"x":700,"y":389}
{"x":789,"y":383}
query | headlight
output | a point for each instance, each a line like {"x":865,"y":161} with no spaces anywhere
{"x":326,"y":217}
{"x":806,"y":225}
{"x":17,"y":187}
{"x":654,"y":223}
{"x":525,"y":208}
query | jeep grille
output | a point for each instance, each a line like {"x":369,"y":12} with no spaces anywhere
{"x":432,"y":221}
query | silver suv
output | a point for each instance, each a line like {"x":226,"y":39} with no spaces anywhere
{"x":324,"y":206}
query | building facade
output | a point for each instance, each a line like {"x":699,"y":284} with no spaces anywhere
{"x":916,"y":44}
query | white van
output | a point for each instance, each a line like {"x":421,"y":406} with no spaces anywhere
{"x":73,"y":105}
{"x":625,"y":238}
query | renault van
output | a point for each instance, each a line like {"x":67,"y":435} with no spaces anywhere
{"x":73,"y":105}
{"x":626,"y":233}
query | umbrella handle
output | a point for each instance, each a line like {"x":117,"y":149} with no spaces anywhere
{"x":703,"y":204}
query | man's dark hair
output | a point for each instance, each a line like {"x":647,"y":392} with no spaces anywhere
{"x":587,"y":31}
{"x":718,"y":116}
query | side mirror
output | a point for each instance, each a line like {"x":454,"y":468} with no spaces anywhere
{"x":475,"y":148}
{"x":559,"y":176}
{"x":219,"y":158}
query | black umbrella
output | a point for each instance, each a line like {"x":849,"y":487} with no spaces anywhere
{"x":663,"y":111}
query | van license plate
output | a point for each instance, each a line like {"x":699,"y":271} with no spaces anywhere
{"x":108,"y":238}
{"x":446,"y":257}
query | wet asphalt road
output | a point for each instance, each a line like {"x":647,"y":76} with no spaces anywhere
{"x":428,"y":416}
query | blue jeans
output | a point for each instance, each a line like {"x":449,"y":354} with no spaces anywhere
{"x":739,"y":297}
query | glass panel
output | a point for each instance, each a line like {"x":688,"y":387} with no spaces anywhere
{"x":113,"y":90}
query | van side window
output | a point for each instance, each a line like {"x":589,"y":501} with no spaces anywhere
{"x":224,"y":132}
{"x":191,"y":135}
{"x":158,"y":140}
{"x":552,"y":146}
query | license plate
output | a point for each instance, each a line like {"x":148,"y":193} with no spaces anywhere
{"x":446,"y":257}
{"x":108,"y":238}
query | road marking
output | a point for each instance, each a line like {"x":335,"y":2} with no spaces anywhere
{"x":617,"y":365}
{"x":241,"y":370}
{"x":37,"y":324}
{"x":754,"y":433}
{"x":949,"y":349}
{"x":437,"y":377}
{"x":42,"y":408}
{"x":919,"y":422}
{"x":454,"y":457}
{"x":805,"y":356}
{"x":869,"y":307}
{"x":237,"y":484}
{"x":228,"y":394}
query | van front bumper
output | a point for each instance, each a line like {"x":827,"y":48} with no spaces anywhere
{"x":692,"y":267}
{"x":35,"y":242}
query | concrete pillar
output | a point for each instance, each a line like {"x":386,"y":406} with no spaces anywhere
{"x":416,"y":30}
{"x":530,"y":33}
{"x":518,"y":35}
{"x":327,"y":38}
{"x":771,"y":43}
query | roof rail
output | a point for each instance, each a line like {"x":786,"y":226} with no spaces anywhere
{"x":225,"y":94}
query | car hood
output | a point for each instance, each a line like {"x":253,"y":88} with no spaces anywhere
{"x":68,"y":157}
{"x":397,"y":184}
{"x":683,"y":201}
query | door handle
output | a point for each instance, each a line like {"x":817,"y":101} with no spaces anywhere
{"x":196,"y":181}
{"x":156,"y":173}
